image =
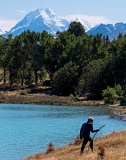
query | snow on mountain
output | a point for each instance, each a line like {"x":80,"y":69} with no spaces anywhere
{"x":45,"y":19}
{"x":112,"y":30}
{"x":1,"y":32}
{"x":79,"y":18}
{"x":39,"y":20}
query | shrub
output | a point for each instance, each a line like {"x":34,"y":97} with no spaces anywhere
{"x":123,"y":98}
{"x":50,"y":147}
{"x":110,"y":96}
{"x":123,"y":101}
{"x":101,"y":153}
{"x":119,"y":91}
{"x":77,"y":140}
{"x":23,"y":92}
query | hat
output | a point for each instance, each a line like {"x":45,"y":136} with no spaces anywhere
{"x":90,"y":119}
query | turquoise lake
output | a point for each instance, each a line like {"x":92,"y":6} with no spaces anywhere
{"x":27,"y":129}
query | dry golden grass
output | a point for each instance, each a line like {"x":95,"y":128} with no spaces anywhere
{"x":112,"y":147}
{"x":40,"y":97}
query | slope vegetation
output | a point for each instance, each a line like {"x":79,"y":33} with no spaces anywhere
{"x":109,"y":147}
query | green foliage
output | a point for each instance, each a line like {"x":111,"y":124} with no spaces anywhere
{"x":90,"y":80}
{"x":72,"y":59}
{"x":65,"y":78}
{"x":76,"y":28}
{"x":119,"y":91}
{"x":110,"y":96}
{"x":23,"y":92}
{"x":113,"y":95}
{"x":123,"y":98}
{"x":42,"y":74}
{"x":123,"y":101}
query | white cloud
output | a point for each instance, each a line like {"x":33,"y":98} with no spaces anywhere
{"x":92,"y":20}
{"x":6,"y":25}
{"x":21,"y":11}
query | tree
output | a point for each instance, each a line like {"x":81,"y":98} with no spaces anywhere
{"x":36,"y":56}
{"x":17,"y":64}
{"x":5,"y":48}
{"x":76,"y":28}
{"x":67,"y":41}
{"x":3,"y":60}
{"x":90,"y":82}
{"x":65,"y":79}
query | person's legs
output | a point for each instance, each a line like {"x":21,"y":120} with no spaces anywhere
{"x":83,"y":145}
{"x":91,"y":143}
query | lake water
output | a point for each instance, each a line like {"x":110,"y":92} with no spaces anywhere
{"x":28,"y":129}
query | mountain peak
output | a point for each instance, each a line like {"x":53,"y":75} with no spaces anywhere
{"x":39,"y":20}
{"x":46,"y":12}
{"x":49,"y":11}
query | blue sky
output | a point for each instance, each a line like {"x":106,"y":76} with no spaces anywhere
{"x":105,"y":11}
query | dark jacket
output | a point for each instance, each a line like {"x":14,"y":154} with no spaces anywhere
{"x":86,"y":129}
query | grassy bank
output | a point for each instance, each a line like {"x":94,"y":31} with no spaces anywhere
{"x":109,"y":147}
{"x":38,"y":97}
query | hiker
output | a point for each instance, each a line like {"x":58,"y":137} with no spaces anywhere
{"x":85,"y":133}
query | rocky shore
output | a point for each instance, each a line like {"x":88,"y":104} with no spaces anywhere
{"x":118,"y":112}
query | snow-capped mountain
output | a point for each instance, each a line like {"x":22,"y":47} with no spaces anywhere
{"x":39,"y":20}
{"x":109,"y":29}
{"x":1,"y":32}
{"x":78,"y":18}
{"x":44,"y":19}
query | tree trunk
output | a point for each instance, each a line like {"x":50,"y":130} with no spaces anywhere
{"x":36,"y":77}
{"x":4,"y":75}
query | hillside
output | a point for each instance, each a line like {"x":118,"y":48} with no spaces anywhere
{"x":112,"y":146}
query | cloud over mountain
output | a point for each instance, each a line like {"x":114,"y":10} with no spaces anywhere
{"x":92,"y":20}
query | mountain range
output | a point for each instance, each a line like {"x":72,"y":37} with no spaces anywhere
{"x":109,"y":29}
{"x":46,"y":19}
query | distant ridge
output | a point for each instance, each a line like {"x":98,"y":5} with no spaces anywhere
{"x":109,"y":29}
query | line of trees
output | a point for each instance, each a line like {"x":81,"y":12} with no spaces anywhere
{"x":77,"y":63}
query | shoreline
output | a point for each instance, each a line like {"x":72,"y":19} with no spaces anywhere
{"x":119,"y":112}
{"x":15,"y":97}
